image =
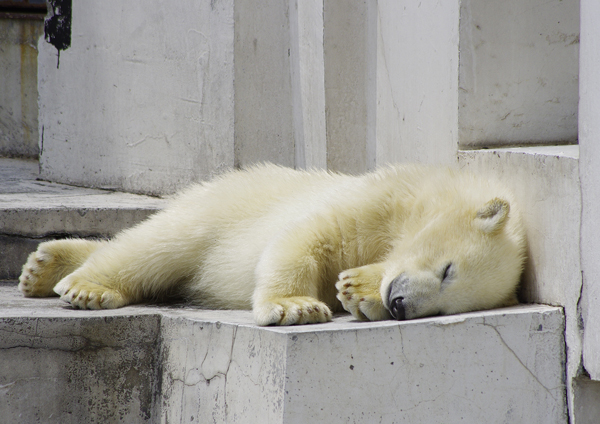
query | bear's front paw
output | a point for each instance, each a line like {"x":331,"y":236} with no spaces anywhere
{"x":84,"y":294}
{"x":291,"y":310}
{"x":40,"y":274}
{"x":358,"y":290}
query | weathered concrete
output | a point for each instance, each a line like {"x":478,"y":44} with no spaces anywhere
{"x":58,"y":367}
{"x":32,"y":211}
{"x":518,"y":72}
{"x":18,"y":90}
{"x":545,"y":181}
{"x":180,"y":364}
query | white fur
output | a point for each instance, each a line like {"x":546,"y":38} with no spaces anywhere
{"x":275,"y":240}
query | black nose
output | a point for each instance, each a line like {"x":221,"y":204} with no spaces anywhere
{"x":397,"y":308}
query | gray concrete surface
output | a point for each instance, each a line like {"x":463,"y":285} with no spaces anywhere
{"x":176,"y":364}
{"x":32,"y":211}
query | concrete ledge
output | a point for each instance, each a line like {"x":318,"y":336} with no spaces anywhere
{"x":32,"y":211}
{"x":176,"y":364}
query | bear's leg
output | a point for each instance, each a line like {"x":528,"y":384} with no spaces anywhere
{"x":51,"y":262}
{"x":293,"y":277}
{"x":359,"y":292}
{"x":144,"y":262}
{"x":115,"y":276}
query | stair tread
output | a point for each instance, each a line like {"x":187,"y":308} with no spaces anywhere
{"x":20,"y":188}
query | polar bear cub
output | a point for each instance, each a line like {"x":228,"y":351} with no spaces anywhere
{"x":295,"y":246}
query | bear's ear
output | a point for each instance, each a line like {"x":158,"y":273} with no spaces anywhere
{"x":492,"y":216}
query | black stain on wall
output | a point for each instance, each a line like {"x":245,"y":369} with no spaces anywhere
{"x":57,"y":27}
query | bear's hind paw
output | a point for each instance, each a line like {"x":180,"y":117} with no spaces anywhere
{"x":83,"y":294}
{"x":291,"y":310}
{"x":38,"y":277}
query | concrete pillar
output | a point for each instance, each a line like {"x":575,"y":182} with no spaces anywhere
{"x":589,"y":144}
{"x":279,"y":83}
{"x":263,"y":87}
{"x":308,"y":83}
{"x":347,"y":87}
{"x":416,"y":81}
{"x":391,"y":82}
{"x":518,"y":81}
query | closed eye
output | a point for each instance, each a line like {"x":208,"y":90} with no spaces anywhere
{"x":447,"y":272}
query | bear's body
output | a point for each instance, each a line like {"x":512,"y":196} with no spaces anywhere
{"x":410,"y":240}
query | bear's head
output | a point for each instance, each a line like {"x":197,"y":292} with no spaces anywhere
{"x":455,"y":254}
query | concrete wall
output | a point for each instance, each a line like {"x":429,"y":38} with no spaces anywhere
{"x":142,"y":100}
{"x":348,"y":96}
{"x":233,"y":91}
{"x":518,"y":72}
{"x":18,"y":89}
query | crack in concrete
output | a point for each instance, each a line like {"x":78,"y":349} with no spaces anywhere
{"x":402,"y":345}
{"x":517,"y":358}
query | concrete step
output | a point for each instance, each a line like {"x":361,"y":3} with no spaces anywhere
{"x":32,"y":211}
{"x":176,"y":364}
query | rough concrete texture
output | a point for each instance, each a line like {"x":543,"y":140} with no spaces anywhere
{"x":546,"y":183}
{"x":518,"y":72}
{"x":58,"y":367}
{"x":180,"y":364}
{"x":18,"y":90}
{"x":32,"y":211}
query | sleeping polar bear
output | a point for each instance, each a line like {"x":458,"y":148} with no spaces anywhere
{"x":295,"y":246}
